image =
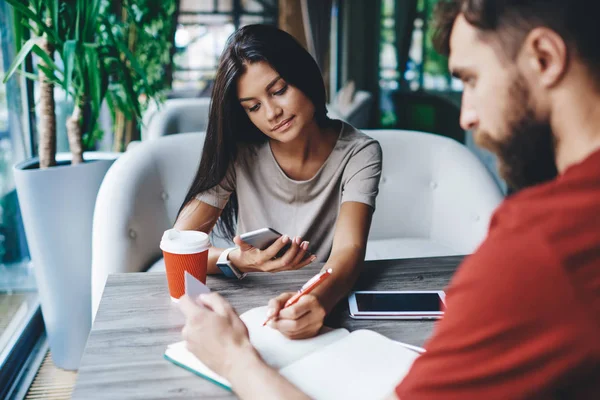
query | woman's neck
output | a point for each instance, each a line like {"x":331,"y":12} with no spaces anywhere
{"x":310,"y":144}
{"x":303,"y":157}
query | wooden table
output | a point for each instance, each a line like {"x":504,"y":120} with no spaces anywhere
{"x":136,"y":321}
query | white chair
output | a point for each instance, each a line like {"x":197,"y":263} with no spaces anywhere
{"x":175,"y":116}
{"x":435,"y":198}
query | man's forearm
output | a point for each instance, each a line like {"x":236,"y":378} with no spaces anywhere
{"x":251,"y":378}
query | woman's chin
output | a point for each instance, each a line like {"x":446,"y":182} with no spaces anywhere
{"x":288,"y":136}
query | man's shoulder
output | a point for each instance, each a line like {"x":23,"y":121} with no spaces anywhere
{"x":513,"y":255}
{"x":563,"y":216}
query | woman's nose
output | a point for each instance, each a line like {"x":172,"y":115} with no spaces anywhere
{"x":273,"y":110}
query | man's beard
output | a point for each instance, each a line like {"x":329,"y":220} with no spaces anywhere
{"x":526,"y":156}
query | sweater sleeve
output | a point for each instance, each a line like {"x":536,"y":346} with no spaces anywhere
{"x":218,"y":196}
{"x":514,"y":328}
{"x":362,"y":174}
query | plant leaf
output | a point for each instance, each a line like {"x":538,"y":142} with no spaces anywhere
{"x":52,"y":6}
{"x":122,"y":106}
{"x":29,"y":14}
{"x":28,"y":75}
{"x":129,"y":56}
{"x":18,"y":29}
{"x":25,"y":50}
{"x":47,"y":59}
{"x":69,"y":60}
{"x":25,"y":24}
{"x":93,"y":76}
{"x":50,"y":74}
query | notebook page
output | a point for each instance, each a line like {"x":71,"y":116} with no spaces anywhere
{"x":279,"y":351}
{"x":363,"y":365}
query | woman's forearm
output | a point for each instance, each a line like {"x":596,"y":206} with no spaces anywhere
{"x":346,"y":265}
{"x":213,"y":256}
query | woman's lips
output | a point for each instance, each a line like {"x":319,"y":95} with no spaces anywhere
{"x":283,"y":125}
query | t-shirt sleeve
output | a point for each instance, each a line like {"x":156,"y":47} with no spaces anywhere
{"x":362,"y":174}
{"x":513,"y":328}
{"x":218,"y":196}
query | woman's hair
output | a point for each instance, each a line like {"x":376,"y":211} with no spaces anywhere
{"x":228,"y":123}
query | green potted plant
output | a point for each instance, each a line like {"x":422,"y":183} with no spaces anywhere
{"x":82,"y":53}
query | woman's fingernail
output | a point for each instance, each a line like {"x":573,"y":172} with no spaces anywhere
{"x":305,"y":245}
{"x":298,"y":239}
{"x":285,"y":238}
{"x":313,"y":258}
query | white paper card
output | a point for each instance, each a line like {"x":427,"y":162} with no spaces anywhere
{"x":193,"y":287}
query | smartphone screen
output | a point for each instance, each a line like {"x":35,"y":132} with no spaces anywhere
{"x":398,"y":302}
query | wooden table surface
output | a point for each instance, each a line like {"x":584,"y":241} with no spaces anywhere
{"x":136,"y":321}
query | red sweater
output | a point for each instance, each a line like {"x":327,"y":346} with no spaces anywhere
{"x":523,"y":312}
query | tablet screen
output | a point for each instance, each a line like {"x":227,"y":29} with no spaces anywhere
{"x":390,"y":302}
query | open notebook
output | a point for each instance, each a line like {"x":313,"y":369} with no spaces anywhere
{"x":335,"y":364}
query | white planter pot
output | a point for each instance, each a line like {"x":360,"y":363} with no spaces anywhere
{"x":57,"y":205}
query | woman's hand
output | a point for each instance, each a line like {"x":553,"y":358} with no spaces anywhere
{"x":299,"y":321}
{"x":214,"y":333}
{"x":250,"y":259}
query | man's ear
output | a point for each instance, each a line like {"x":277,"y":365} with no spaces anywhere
{"x":545,"y":56}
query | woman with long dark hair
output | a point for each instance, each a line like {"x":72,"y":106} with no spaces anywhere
{"x":272,"y":158}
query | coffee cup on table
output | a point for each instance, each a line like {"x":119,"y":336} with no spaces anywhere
{"x":184,"y":251}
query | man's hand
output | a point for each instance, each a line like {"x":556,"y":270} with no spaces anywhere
{"x":214,"y":333}
{"x":300,"y":321}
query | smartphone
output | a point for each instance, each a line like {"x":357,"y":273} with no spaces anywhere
{"x":397,"y":304}
{"x":261,"y":238}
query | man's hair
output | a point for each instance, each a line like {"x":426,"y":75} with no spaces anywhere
{"x":576,"y":21}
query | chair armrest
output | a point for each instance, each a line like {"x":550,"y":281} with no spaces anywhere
{"x":129,"y":218}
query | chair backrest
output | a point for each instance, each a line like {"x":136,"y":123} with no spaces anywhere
{"x":176,"y":116}
{"x":432,"y":187}
{"x":138,"y":200}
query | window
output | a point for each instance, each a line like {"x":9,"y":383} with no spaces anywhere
{"x":16,"y":276}
{"x":388,"y":63}
{"x":20,"y":317}
{"x":426,"y":69}
{"x":203,"y":28}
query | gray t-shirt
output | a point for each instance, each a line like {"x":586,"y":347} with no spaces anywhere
{"x":267,"y":197}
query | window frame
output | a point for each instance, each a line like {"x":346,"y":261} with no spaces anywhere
{"x":270,"y":14}
{"x":21,"y":354}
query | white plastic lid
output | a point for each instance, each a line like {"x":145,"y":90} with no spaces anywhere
{"x":184,"y":242}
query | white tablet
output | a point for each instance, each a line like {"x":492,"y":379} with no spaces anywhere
{"x":397,"y":304}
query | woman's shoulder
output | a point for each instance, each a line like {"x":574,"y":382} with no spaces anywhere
{"x":355,"y":140}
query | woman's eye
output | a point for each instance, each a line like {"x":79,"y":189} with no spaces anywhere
{"x":254,"y":108}
{"x":281,"y":91}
